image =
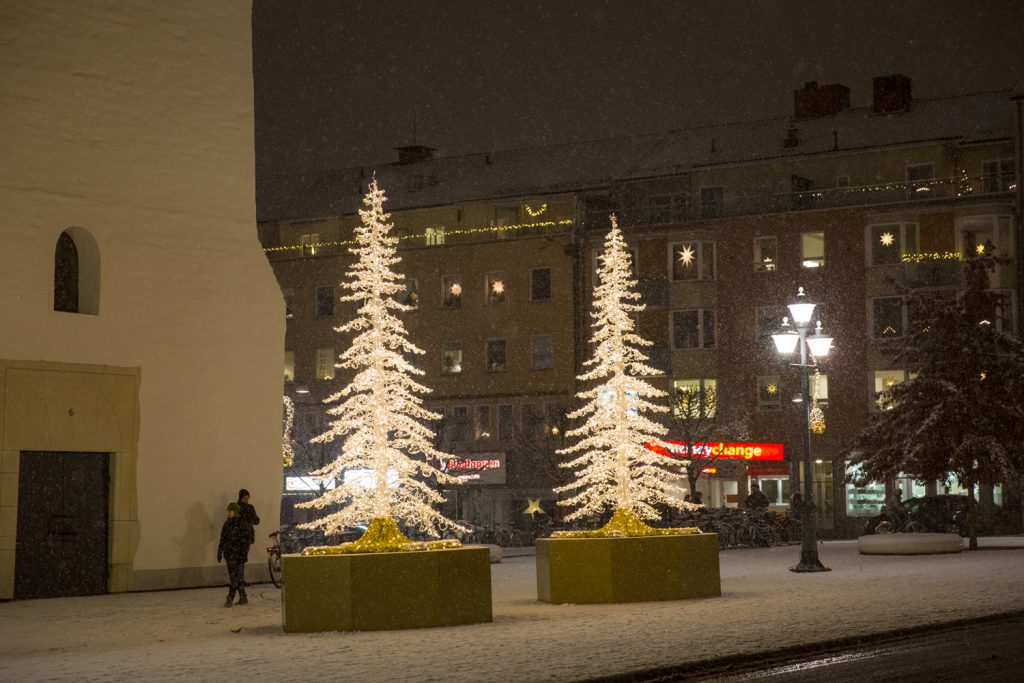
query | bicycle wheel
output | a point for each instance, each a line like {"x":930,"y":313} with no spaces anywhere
{"x":914,"y":528}
{"x":274,"y":568}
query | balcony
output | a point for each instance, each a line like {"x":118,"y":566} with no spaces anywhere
{"x":734,"y":204}
{"x":933,"y":273}
{"x":425,"y":238}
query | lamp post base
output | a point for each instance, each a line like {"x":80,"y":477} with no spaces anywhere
{"x":813,"y":565}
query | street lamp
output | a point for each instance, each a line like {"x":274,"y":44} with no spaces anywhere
{"x":786,"y":342}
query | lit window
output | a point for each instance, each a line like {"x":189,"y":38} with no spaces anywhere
{"x":812,"y":249}
{"x":325,"y":364}
{"x":695,"y":398}
{"x":693,"y":261}
{"x":891,"y":241}
{"x":451,"y":358}
{"x":452,"y":291}
{"x":433,"y":236}
{"x":289,"y":366}
{"x":310,"y":243}
{"x":769,"y":395}
{"x":766,"y":254}
{"x":993,"y":234}
{"x":496,"y":286}
{"x":820,"y":387}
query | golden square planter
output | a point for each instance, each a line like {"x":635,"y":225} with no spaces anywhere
{"x":379,"y":591}
{"x":632,"y":569}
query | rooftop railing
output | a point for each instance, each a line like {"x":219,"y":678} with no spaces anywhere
{"x":734,"y":204}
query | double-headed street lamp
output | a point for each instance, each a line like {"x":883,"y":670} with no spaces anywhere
{"x":818,"y":344}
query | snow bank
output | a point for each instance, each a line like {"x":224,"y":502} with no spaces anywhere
{"x":188,"y":635}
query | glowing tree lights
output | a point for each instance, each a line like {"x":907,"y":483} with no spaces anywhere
{"x":380,"y":414}
{"x":613,"y":468}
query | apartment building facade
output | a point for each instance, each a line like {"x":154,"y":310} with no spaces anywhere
{"x":725,"y":223}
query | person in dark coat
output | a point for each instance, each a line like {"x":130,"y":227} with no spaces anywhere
{"x":234,"y":549}
{"x":248,"y":514}
{"x":756,"y":501}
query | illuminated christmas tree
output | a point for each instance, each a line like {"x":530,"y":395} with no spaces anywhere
{"x":387,"y":447}
{"x":613,"y":467}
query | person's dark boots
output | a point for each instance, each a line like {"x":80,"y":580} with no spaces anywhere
{"x":227,"y":603}
{"x":242,"y":599}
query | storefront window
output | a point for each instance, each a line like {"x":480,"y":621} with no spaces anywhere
{"x":865,"y":501}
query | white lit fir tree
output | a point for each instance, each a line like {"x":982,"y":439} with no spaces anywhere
{"x":613,"y":467}
{"x":380,"y":415}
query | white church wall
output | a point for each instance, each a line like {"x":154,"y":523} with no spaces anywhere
{"x":134,"y":122}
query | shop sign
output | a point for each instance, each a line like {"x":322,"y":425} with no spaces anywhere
{"x":770,"y":470}
{"x":476,"y":468}
{"x":729,"y":450}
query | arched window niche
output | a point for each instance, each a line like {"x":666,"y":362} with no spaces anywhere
{"x":76,"y":273}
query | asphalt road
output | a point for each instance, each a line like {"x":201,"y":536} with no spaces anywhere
{"x":977,"y":650}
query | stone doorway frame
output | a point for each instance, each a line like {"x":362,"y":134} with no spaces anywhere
{"x":49,"y":406}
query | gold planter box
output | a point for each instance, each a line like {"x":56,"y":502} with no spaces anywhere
{"x":380,"y":591}
{"x":630,"y":569}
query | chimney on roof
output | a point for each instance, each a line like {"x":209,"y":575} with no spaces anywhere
{"x":812,"y":102}
{"x":410,"y":154}
{"x":890,"y":94}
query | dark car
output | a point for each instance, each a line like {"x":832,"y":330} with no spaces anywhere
{"x":946,"y":513}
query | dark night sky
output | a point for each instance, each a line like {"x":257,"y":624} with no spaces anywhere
{"x":337,"y":81}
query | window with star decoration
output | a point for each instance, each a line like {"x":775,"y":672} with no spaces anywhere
{"x":889,"y":242}
{"x":769,"y":396}
{"x":692,"y":261}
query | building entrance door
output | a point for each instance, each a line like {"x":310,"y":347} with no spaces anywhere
{"x":61,"y":547}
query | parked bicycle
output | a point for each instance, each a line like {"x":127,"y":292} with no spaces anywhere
{"x":274,"y":556}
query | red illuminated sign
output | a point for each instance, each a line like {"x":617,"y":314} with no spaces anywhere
{"x":739,"y":450}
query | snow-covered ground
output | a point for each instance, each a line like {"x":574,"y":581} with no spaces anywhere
{"x":189,"y":635}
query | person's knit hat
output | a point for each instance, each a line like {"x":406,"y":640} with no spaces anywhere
{"x":234,"y":507}
{"x":242,"y":493}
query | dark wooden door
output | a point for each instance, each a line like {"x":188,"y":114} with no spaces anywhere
{"x":63,"y":526}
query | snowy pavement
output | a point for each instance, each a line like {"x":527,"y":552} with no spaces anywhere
{"x":189,"y":635}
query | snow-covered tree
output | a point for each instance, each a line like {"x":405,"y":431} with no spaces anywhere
{"x":962,"y":414}
{"x":613,"y":468}
{"x":696,"y":422}
{"x":387,"y":444}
